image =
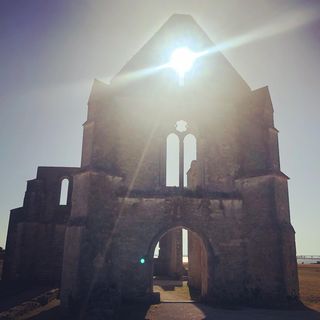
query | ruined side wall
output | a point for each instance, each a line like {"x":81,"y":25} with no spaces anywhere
{"x":12,"y":252}
{"x":36,"y":231}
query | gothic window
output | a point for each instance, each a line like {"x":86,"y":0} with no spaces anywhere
{"x":172,"y":161}
{"x":190,"y":153}
{"x":181,"y":151}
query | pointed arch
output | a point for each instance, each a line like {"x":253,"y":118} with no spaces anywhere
{"x":199,"y":252}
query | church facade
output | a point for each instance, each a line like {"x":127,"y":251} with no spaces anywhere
{"x":101,"y":241}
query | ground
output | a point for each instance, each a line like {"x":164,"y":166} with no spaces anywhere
{"x":309,"y":278}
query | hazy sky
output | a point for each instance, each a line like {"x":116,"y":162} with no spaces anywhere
{"x":50,"y":52}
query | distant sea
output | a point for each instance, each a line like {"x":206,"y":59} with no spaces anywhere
{"x":307,"y":261}
{"x":300,"y":260}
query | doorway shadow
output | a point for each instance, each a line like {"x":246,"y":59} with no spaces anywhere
{"x":195,"y":293}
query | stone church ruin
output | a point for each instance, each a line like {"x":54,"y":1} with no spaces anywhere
{"x":232,"y":199}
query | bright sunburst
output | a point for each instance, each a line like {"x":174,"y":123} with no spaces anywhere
{"x":181,"y":61}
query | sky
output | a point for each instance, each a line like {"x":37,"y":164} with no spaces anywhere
{"x":50,"y":52}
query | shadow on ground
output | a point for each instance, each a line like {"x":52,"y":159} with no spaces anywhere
{"x":194,"y":311}
{"x":50,"y":310}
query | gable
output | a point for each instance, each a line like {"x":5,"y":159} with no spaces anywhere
{"x":180,"y":31}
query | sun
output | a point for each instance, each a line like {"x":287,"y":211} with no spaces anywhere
{"x":181,"y":60}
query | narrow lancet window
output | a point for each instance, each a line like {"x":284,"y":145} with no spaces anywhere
{"x":190,"y":154}
{"x":172,"y":162}
{"x":64,"y":192}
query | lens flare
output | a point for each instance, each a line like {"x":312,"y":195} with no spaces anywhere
{"x":181,"y":60}
{"x":142,"y":260}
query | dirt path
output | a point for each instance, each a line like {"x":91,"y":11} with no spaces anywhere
{"x":173,"y":291}
{"x":182,"y":311}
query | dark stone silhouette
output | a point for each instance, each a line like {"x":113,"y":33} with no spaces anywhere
{"x":118,"y":206}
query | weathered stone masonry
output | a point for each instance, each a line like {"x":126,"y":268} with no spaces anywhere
{"x":119,"y":206}
{"x":35,"y":238}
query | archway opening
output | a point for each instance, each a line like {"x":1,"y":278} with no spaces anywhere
{"x":180,"y":266}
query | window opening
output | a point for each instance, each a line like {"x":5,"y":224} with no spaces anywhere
{"x":190,"y":153}
{"x":64,"y":192}
{"x":181,"y":151}
{"x":172,"y":162}
{"x":181,"y":126}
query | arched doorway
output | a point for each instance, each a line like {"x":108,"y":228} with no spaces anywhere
{"x":180,"y":265}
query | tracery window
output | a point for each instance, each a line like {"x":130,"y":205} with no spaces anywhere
{"x":181,"y":151}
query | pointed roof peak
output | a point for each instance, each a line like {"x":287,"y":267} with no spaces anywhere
{"x":180,"y":30}
{"x":180,"y":17}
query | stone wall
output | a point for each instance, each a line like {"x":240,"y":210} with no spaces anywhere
{"x":35,"y":238}
{"x":1,"y":261}
{"x":197,"y":264}
{"x":169,"y":261}
{"x":119,"y":205}
{"x":240,"y":238}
